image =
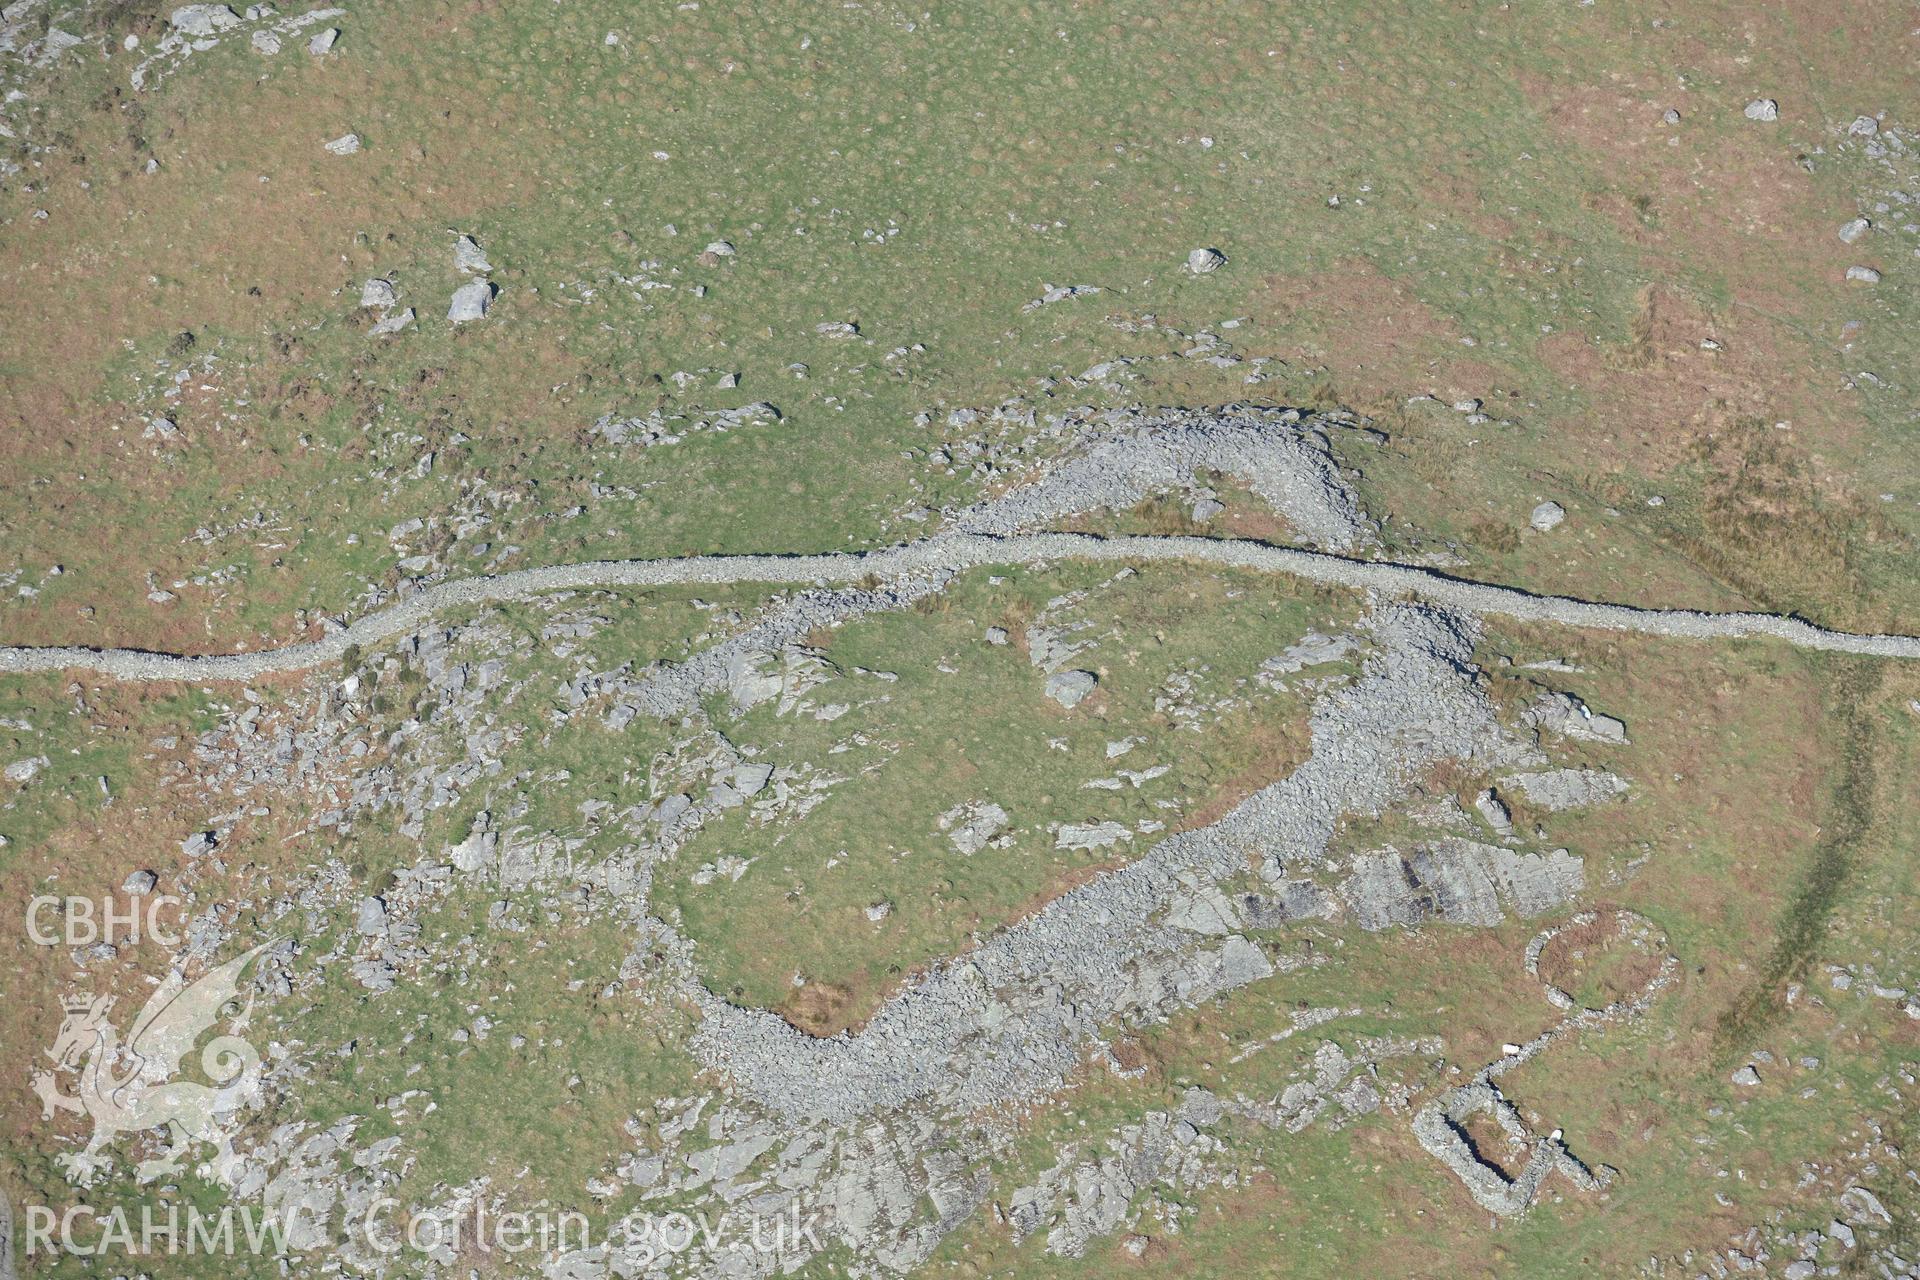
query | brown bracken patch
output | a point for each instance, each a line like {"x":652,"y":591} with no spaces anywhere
{"x":821,"y":1009}
{"x":1282,"y":747}
{"x":1672,"y":392}
{"x":1375,"y":334}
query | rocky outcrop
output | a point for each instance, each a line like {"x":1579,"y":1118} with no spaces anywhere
{"x":1458,"y":882}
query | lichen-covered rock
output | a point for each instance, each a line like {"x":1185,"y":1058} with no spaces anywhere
{"x":471,"y":301}
{"x":203,"y":19}
{"x":1071,"y":688}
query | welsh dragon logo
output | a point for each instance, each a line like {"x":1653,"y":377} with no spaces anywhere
{"x":128,"y":1086}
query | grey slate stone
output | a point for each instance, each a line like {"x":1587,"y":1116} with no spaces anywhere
{"x":1070,"y":688}
{"x":1205,"y":261}
{"x":203,"y":19}
{"x":471,"y":301}
{"x":372,"y":917}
